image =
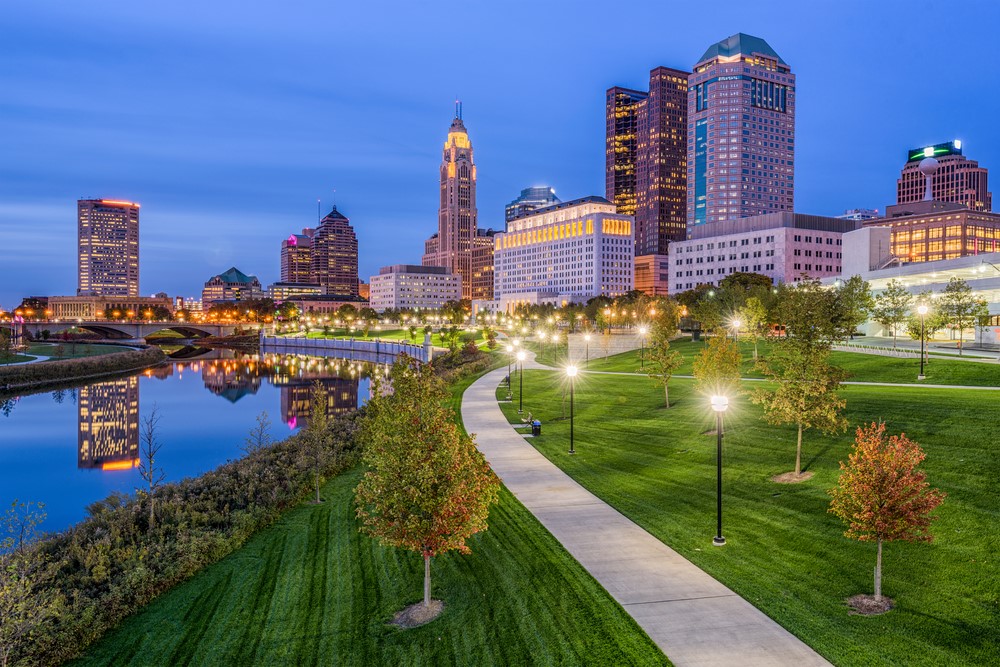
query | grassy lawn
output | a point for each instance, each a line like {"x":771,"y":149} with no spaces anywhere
{"x":59,"y":350}
{"x":396,"y":334}
{"x":14,"y":359}
{"x":862,"y":367}
{"x":312,"y":590}
{"x":785,"y":553}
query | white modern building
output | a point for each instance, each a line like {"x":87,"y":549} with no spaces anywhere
{"x":571,"y":251}
{"x":413,"y":287}
{"x":783,"y":246}
{"x":866,"y":254}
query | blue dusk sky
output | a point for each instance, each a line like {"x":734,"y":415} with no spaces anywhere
{"x":228,"y":120}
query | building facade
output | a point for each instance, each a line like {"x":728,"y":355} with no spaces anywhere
{"x":108,"y":432}
{"x":860,"y":214}
{"x":943,"y":232}
{"x":530,"y":199}
{"x":956,"y":179}
{"x":482,"y":265}
{"x":646,"y":157}
{"x":786,"y":247}
{"x":457,"y":215}
{"x":582,"y":248}
{"x":335,"y":255}
{"x":92,"y":308}
{"x":231,"y":285}
{"x":652,"y":274}
{"x":405,"y":286}
{"x":741,"y":132}
{"x":296,"y":257}
{"x":283,"y":291}
{"x":107,"y":248}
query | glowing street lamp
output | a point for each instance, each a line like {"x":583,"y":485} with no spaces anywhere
{"x":736,"y":324}
{"x":571,"y":374}
{"x":520,"y":381}
{"x":922,"y":311}
{"x":719,"y":405}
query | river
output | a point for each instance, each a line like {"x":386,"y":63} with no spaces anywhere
{"x":70,"y":448}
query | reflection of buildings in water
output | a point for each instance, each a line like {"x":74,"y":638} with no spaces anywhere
{"x":231,"y":379}
{"x":296,"y":399}
{"x":109,"y":425}
{"x":161,"y":372}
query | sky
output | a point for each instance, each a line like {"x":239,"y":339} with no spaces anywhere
{"x":228,"y":120}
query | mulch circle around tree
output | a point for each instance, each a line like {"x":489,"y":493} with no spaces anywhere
{"x":791,"y":477}
{"x":417,"y":614}
{"x":866,"y":605}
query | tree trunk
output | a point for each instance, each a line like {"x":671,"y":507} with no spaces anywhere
{"x":152,"y":515}
{"x":960,"y":335}
{"x":755,"y":349}
{"x":666,"y":395}
{"x":894,"y":337}
{"x":427,"y":580}
{"x":798,"y":453}
{"x":878,"y":573}
{"x":317,"y":485}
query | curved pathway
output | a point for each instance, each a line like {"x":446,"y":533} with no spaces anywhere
{"x":693,"y":618}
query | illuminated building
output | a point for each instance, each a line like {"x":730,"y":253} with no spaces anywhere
{"x":103,"y":308}
{"x":364,"y":289}
{"x":942,"y":231}
{"x":230,"y":379}
{"x":335,"y":256}
{"x":784,"y":246}
{"x":482,"y":264}
{"x":581,"y":249}
{"x":285,"y":291}
{"x":414,"y":287}
{"x":296,"y":257}
{"x":108,"y":435}
{"x":458,"y":235}
{"x":652,"y":274}
{"x":956,"y":179}
{"x":860,"y":214}
{"x":530,"y":199}
{"x":622,"y":109}
{"x":108,"y":248}
{"x":741,"y":132}
{"x":296,"y":397}
{"x":231,"y":285}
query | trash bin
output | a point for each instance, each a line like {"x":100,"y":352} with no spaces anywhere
{"x":536,"y":427}
{"x":696,"y":335}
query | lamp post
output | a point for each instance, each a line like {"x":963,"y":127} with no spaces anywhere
{"x":510,"y":357}
{"x":571,"y":374}
{"x":643,"y":330}
{"x":520,"y":381}
{"x":719,"y":405}
{"x":736,"y":329}
{"x":586,"y":342}
{"x":922,"y":310}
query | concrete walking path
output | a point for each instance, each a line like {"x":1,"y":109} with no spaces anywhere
{"x":693,"y":618}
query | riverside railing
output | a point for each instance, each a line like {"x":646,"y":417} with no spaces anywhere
{"x":378,"y":351}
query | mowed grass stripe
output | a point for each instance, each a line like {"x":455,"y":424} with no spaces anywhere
{"x":785,"y":552}
{"x":312,"y":590}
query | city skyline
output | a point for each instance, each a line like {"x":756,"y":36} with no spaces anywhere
{"x":227,"y":162}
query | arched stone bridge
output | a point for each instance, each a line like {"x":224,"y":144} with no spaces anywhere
{"x":131,"y":330}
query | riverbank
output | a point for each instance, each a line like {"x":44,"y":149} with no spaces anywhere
{"x":30,"y":377}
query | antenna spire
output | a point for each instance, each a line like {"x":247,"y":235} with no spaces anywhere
{"x":458,"y":109}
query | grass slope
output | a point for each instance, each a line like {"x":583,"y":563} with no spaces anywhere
{"x":785,"y":553}
{"x":312,"y":590}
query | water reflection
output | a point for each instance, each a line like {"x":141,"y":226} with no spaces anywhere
{"x":108,"y":434}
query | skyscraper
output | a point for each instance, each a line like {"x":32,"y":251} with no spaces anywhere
{"x":646,"y":165}
{"x":741,"y":132}
{"x":108,"y":248}
{"x":108,"y":435}
{"x":957,"y":179}
{"x":296,"y":257}
{"x":530,"y":199}
{"x":457,"y":215}
{"x":335,"y":255}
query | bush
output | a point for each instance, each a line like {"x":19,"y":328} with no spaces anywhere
{"x":25,"y":375}
{"x":112,"y":563}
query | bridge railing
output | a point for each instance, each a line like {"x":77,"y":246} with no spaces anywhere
{"x":345,"y":348}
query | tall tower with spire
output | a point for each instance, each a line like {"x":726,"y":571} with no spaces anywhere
{"x":335,"y":255}
{"x":452,"y":246}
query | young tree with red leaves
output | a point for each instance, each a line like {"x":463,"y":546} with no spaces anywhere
{"x":427,"y":488}
{"x":881,"y":495}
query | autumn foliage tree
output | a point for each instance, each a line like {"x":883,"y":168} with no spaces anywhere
{"x":426,"y":488}
{"x":663,"y":361}
{"x":881,"y":495}
{"x":717,"y":367}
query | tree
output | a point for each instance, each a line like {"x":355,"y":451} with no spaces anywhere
{"x":809,"y":313}
{"x":427,"y":488}
{"x":717,"y":367}
{"x":933,"y":321}
{"x":260,"y":435}
{"x":881,"y":495}
{"x":806,"y":393}
{"x":961,"y":306}
{"x":755,"y":321}
{"x":852,"y":303}
{"x":662,"y":360}
{"x":490,"y":334}
{"x":25,"y":602}
{"x":149,"y":449}
{"x":891,"y":306}
{"x":316,"y":438}
{"x":412,"y":330}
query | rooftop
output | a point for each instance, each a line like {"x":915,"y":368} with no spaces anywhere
{"x":740,"y":43}
{"x":593,"y":199}
{"x":234,"y":275}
